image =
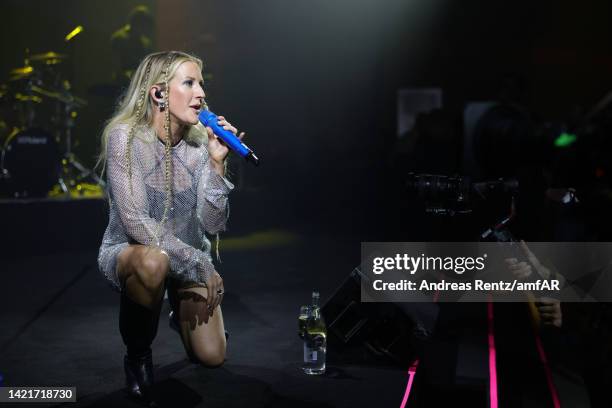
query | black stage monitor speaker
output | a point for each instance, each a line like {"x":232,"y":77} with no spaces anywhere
{"x":390,"y":333}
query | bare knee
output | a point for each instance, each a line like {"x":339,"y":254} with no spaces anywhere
{"x":152,"y":269}
{"x":210,"y":355}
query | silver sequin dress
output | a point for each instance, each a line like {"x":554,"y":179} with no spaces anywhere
{"x":199,"y":204}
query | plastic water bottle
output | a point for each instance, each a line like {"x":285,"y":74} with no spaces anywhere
{"x":315,"y":339}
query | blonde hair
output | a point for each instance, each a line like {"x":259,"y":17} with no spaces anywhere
{"x":135,"y":107}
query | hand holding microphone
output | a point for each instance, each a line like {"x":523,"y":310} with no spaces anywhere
{"x":211,"y":120}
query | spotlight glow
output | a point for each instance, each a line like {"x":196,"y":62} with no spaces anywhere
{"x":565,"y":140}
{"x":74,"y":33}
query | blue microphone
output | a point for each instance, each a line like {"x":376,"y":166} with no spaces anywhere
{"x":210,"y":119}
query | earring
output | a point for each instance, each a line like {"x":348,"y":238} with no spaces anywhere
{"x":162,"y":106}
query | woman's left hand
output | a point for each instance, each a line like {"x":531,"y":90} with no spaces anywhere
{"x":217,"y":149}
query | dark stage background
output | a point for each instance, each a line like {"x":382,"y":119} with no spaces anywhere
{"x":314,"y":83}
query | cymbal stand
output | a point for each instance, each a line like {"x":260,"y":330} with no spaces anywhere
{"x":73,"y":171}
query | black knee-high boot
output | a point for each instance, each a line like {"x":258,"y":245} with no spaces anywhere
{"x":138,"y":327}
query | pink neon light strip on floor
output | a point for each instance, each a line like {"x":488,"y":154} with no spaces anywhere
{"x":549,"y":379}
{"x":411,"y":374}
{"x":492,"y":357}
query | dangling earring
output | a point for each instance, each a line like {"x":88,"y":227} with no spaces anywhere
{"x":162,"y":106}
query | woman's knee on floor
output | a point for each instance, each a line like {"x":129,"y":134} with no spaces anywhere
{"x":210,"y":353}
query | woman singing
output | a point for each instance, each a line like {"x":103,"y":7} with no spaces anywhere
{"x":167,"y":187}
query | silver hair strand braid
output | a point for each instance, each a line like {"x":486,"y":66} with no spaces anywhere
{"x":168,"y":140}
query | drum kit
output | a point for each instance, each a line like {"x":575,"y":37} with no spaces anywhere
{"x":37,"y":117}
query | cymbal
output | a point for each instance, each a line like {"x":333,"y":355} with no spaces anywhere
{"x":64,"y":97}
{"x":21,"y":73}
{"x":19,"y":97}
{"x":49,"y":58}
{"x":45,"y":92}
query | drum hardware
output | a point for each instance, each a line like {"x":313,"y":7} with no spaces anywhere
{"x":17,"y":74}
{"x":63,"y":96}
{"x":19,"y":97}
{"x":25,"y":103}
{"x":40,"y":111}
{"x":72,"y":169}
{"x":48,"y":58}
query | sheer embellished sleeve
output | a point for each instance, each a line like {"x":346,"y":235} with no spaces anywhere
{"x":213,"y":191}
{"x":130,"y":198}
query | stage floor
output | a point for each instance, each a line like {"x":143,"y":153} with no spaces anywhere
{"x":60,"y":320}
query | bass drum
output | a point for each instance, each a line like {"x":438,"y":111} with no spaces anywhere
{"x":30,"y":164}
